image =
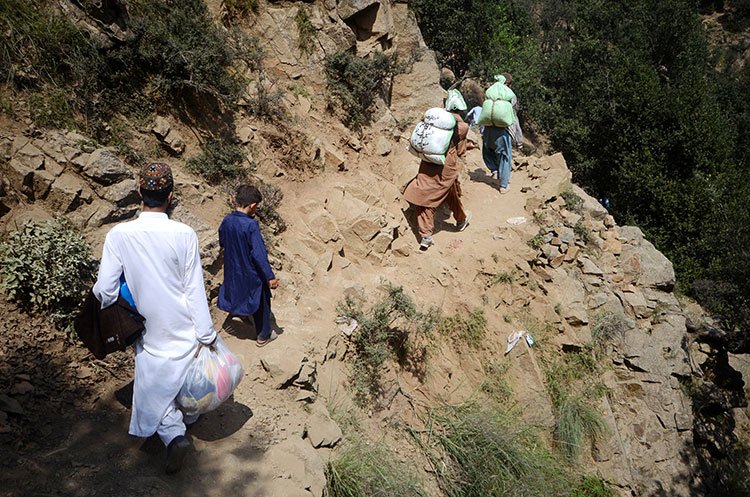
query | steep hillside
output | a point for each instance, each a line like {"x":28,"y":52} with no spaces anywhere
{"x":545,"y":259}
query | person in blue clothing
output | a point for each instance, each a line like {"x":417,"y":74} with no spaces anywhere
{"x":497,"y":150}
{"x":248,"y":277}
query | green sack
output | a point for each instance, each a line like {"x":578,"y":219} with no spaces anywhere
{"x":455,"y":101}
{"x":497,"y":113}
{"x":499,"y":91}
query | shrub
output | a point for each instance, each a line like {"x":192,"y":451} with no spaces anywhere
{"x":483,"y":451}
{"x":41,"y":47}
{"x":608,"y":327}
{"x":494,"y":384}
{"x":175,"y":53}
{"x":367,"y":469}
{"x":354,"y":83}
{"x":218,"y":161}
{"x":246,"y":48}
{"x":470,"y":329}
{"x":582,"y":232}
{"x":503,"y":277}
{"x":267,"y":210}
{"x":536,"y":242}
{"x":571,"y":384}
{"x":573,"y":202}
{"x":592,"y":487}
{"x":50,"y":108}
{"x":390,"y":329}
{"x":576,"y":420}
{"x":177,"y":40}
{"x":240,"y":8}
{"x":47,"y":267}
{"x":268,"y":100}
{"x":306,"y":32}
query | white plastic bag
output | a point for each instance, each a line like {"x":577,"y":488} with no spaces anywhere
{"x":211,"y":379}
{"x":431,"y":137}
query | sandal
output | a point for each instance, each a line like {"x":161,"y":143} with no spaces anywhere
{"x":263,"y":342}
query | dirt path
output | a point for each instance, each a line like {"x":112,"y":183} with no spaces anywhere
{"x":253,"y":446}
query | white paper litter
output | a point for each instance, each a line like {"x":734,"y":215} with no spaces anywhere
{"x":515,"y":221}
{"x":347,"y":325}
{"x":514,"y":338}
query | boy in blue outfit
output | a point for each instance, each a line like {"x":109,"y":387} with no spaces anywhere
{"x":248,"y":277}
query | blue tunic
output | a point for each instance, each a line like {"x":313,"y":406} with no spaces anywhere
{"x":246,"y":267}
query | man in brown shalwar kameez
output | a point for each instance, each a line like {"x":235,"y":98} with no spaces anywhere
{"x":436,"y":184}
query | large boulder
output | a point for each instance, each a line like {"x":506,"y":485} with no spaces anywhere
{"x":321,"y":430}
{"x":644,"y":263}
{"x":348,"y":8}
{"x":416,"y":91}
{"x":104,"y":167}
{"x":65,"y":195}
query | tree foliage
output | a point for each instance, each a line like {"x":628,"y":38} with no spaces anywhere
{"x":354,"y":83}
{"x":173,"y":53}
{"x":646,"y":115}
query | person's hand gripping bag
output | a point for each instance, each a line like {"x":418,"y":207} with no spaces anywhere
{"x":211,"y":378}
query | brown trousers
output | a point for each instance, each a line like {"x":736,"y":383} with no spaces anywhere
{"x":426,"y":215}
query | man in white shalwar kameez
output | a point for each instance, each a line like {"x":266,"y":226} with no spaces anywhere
{"x":160,"y":260}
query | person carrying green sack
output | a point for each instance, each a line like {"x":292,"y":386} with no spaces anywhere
{"x":500,"y":129}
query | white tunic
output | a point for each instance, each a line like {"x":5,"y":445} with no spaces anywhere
{"x":161,"y":262}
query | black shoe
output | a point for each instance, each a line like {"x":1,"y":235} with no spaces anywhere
{"x":176,"y":452}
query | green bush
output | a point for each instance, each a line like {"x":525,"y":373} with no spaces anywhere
{"x":306,"y":32}
{"x":218,"y":161}
{"x":469,"y":330}
{"x":50,"y":108}
{"x":240,"y":8}
{"x":503,"y":277}
{"x":494,"y":384}
{"x":367,"y":469}
{"x":592,"y":487}
{"x":536,"y":242}
{"x":41,"y":47}
{"x":391,"y":329}
{"x":575,"y":421}
{"x":608,"y":327}
{"x":354,"y":83}
{"x":582,"y":232}
{"x":573,"y":202}
{"x":268,"y":100}
{"x":572,"y":384}
{"x":47,"y":267}
{"x":175,"y":55}
{"x":483,"y":451}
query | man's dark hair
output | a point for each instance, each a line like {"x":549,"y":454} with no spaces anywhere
{"x":508,"y":78}
{"x":155,"y":198}
{"x":246,"y":195}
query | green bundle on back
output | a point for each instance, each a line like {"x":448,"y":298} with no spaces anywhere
{"x":497,"y":109}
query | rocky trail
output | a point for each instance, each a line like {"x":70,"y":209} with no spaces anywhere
{"x":561,"y":270}
{"x":259,"y":443}
{"x":348,"y":234}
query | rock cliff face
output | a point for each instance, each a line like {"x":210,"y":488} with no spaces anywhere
{"x":348,"y":228}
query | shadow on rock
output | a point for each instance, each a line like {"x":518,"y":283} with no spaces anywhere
{"x":481,"y":175}
{"x":228,"y":419}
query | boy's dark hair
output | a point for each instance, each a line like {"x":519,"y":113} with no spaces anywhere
{"x":246,"y":195}
{"x":155,"y":198}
